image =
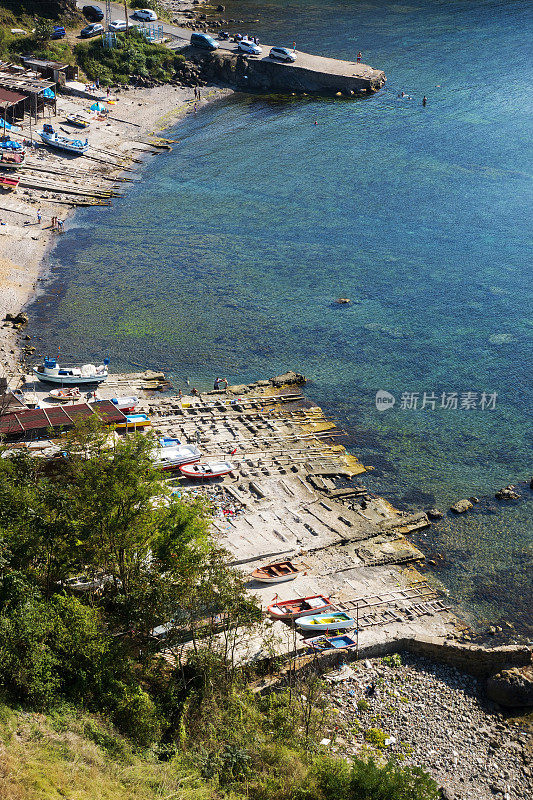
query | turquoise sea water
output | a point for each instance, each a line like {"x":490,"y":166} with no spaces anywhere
{"x":228,"y":256}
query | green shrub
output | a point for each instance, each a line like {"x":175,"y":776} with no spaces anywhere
{"x":375,"y":737}
{"x":137,"y":717}
{"x":394,"y":660}
{"x":363,"y":705}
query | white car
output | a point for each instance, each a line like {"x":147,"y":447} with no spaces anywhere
{"x":117,"y":25}
{"x":282,"y":54}
{"x":245,"y":46}
{"x":145,"y":13}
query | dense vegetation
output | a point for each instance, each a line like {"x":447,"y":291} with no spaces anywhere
{"x":91,"y":663}
{"x":132,"y":57}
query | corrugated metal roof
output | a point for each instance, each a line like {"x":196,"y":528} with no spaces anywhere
{"x":36,"y":419}
{"x":10,"y":98}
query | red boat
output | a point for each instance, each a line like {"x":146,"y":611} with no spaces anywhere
{"x":211,"y":469}
{"x":301,"y":607}
{"x":9,"y":183}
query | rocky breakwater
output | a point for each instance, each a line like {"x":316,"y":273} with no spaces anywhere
{"x":308,"y":74}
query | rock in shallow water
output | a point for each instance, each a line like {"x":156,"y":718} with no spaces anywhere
{"x":512,"y":688}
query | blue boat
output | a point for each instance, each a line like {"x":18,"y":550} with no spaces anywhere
{"x":164,"y":441}
{"x":321,"y":643}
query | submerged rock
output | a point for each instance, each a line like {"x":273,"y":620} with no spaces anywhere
{"x":507,"y":493}
{"x":461,"y":506}
{"x":435,"y":513}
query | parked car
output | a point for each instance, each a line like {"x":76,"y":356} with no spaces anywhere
{"x":248,"y":47}
{"x":91,"y":30}
{"x":117,"y":25}
{"x":145,"y":14}
{"x":59,"y":32}
{"x":204,"y":41}
{"x":282,"y":54}
{"x":94,"y":13}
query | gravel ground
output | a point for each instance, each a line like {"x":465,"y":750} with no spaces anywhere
{"x":435,"y":717}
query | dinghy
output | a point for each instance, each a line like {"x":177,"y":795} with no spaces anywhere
{"x":50,"y":137}
{"x":50,"y":372}
{"x":63,"y":395}
{"x":166,"y":441}
{"x":173,"y":457}
{"x":280,"y":572}
{"x":321,"y":643}
{"x":79,"y":120}
{"x":211,"y":469}
{"x":300,"y":607}
{"x":125,"y":404}
{"x":135,"y":421}
{"x":332,"y":621}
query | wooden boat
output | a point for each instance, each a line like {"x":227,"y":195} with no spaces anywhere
{"x":135,"y":421}
{"x":125,"y":404}
{"x":300,"y":607}
{"x":321,"y":643}
{"x":168,"y":458}
{"x":8,"y":184}
{"x":211,"y":469}
{"x":331,"y":621}
{"x":279,"y":572}
{"x":50,"y":137}
{"x":12,"y":159}
{"x":79,"y":120}
{"x":50,"y":372}
{"x":63,"y":395}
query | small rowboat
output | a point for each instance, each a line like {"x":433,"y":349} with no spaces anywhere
{"x":173,"y":457}
{"x":72,"y":393}
{"x":54,"y":139}
{"x":9,"y":184}
{"x":211,"y":469}
{"x":326,"y":622}
{"x":300,"y":607}
{"x":125,"y":404}
{"x":135,"y":421}
{"x":279,"y":572}
{"x":321,"y":643}
{"x":12,"y":159}
{"x":79,"y":120}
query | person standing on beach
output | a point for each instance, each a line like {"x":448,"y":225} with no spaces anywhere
{"x":60,"y":225}
{"x":39,"y":216}
{"x":359,"y":57}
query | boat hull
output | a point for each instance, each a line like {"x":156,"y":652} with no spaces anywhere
{"x":322,"y":643}
{"x":276,"y":579}
{"x":70,"y":380}
{"x":196,"y":471}
{"x":329,"y":623}
{"x":292,"y":609}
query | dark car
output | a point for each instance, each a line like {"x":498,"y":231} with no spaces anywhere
{"x":93,"y":13}
{"x":59,"y":32}
{"x":95,"y":29}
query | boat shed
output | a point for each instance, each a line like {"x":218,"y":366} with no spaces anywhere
{"x":37,"y":422}
{"x":33,"y":89}
{"x":52,"y":70}
{"x":12,"y":102}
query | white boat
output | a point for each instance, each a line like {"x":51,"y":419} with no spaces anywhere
{"x":278,"y":572}
{"x":50,"y":372}
{"x":211,"y":469}
{"x":174,"y":457}
{"x":125,"y":404}
{"x":54,"y":139}
{"x":332,"y":621}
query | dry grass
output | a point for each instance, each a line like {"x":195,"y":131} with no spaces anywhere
{"x":53,"y":758}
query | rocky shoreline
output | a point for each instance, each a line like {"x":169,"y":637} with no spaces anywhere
{"x":425,"y":714}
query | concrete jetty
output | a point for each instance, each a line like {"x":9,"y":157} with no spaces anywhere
{"x":309,"y":73}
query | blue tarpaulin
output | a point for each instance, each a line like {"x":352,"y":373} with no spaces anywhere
{"x":8,"y":126}
{"x":49,"y":93}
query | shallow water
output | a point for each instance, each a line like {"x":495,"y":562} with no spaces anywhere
{"x":228,"y":257}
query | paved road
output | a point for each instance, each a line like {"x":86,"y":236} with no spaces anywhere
{"x":331,"y":66}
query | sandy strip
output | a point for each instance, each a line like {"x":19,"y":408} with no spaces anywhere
{"x":25,"y":242}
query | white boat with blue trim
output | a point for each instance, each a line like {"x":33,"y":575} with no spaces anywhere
{"x":51,"y":372}
{"x":54,"y":139}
